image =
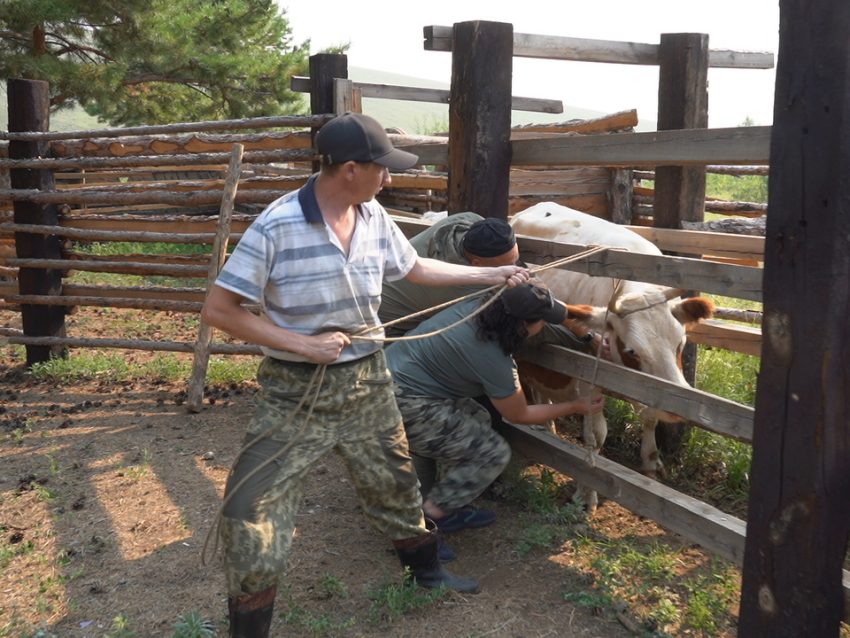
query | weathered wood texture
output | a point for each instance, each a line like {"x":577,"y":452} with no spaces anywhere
{"x":324,"y":68}
{"x":437,"y":96}
{"x":682,"y":104}
{"x":701,"y":242}
{"x":183,"y":145}
{"x":701,"y":408}
{"x":200,"y":362}
{"x":799,"y":520}
{"x":742,"y":282}
{"x":438,"y":38}
{"x":282,"y":121}
{"x":479,"y":157}
{"x":29,"y":107}
{"x":747,"y":145}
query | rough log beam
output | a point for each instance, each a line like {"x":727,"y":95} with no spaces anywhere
{"x":135,"y":146}
{"x":134,"y":344}
{"x":438,"y":38}
{"x":96,"y":196}
{"x":606,"y":124}
{"x":279,"y":121}
{"x":126,"y":268}
{"x":165,"y":160}
{"x":113,"y":235}
{"x":438,"y":96}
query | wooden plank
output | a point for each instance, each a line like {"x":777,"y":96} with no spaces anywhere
{"x":607,"y":123}
{"x":438,"y":38}
{"x":434,"y":96}
{"x":743,"y":145}
{"x":714,"y":530}
{"x":719,"y":334}
{"x":729,"y":280}
{"x":701,"y":408}
{"x":699,"y":242}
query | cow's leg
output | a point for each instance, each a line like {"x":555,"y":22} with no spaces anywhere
{"x":651,"y":464}
{"x":595,"y":433}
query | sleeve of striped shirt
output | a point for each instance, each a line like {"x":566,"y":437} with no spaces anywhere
{"x":247,"y":269}
{"x":401,"y":256}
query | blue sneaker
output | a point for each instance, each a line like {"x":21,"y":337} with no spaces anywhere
{"x":463,"y":518}
{"x":446,"y":553}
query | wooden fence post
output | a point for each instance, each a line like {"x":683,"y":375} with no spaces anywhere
{"x":680,"y":190}
{"x":798,"y":517}
{"x":324,"y":68}
{"x":480,"y":118}
{"x":29,"y":110}
{"x":195,"y":393}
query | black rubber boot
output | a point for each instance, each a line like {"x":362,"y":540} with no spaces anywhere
{"x":251,"y":616}
{"x":422,"y":556}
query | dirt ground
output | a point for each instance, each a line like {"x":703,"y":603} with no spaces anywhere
{"x":107,"y":493}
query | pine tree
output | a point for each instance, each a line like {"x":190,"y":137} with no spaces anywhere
{"x":133,"y":62}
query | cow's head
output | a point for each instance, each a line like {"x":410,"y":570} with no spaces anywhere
{"x":647,"y":331}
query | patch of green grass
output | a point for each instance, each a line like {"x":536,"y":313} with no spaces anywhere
{"x":390,"y":602}
{"x":88,"y":365}
{"x":312,"y":624}
{"x":625,"y":574}
{"x":147,"y":248}
{"x":191,"y":625}
{"x":114,"y":367}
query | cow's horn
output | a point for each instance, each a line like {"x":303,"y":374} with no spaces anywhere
{"x":672,"y":293}
{"x":615,"y":296}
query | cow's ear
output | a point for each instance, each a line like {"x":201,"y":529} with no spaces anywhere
{"x":693,"y":310}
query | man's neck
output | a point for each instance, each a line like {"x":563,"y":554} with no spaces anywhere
{"x":333,"y":199}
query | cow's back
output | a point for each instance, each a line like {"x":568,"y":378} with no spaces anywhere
{"x":554,"y":222}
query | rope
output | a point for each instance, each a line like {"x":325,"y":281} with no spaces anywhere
{"x":319,"y":375}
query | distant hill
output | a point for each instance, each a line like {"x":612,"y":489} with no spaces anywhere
{"x":412,"y":117}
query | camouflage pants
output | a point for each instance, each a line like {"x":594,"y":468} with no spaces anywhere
{"x":355,"y":415}
{"x":456,"y":432}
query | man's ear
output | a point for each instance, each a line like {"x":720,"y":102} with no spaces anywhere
{"x":473,"y":261}
{"x":348,"y":170}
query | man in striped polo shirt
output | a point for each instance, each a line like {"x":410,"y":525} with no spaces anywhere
{"x":315,"y":259}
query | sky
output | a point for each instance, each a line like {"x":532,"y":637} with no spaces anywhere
{"x":387,"y":36}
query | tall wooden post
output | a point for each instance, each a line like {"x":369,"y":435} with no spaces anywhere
{"x":799,"y":518}
{"x":680,"y":190}
{"x":29,"y":110}
{"x":480,"y":118}
{"x":324,"y":68}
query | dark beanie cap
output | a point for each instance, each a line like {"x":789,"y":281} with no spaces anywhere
{"x":489,"y":237}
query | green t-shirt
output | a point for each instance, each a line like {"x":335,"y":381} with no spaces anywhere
{"x":453,"y":364}
{"x":402,"y":297}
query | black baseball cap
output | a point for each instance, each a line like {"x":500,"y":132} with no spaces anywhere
{"x":360,"y":138}
{"x":489,"y":237}
{"x":532,"y":301}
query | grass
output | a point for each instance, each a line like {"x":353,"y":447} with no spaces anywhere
{"x":114,"y":367}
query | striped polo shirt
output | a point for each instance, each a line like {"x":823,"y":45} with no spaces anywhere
{"x":293,"y":264}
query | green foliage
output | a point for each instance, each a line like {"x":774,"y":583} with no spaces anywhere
{"x":155,"y":61}
{"x":120,"y":628}
{"x":192,"y":625}
{"x":644,"y":578}
{"x":390,"y":602}
{"x":748,"y":188}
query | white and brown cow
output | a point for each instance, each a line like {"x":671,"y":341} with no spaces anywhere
{"x":645,"y":323}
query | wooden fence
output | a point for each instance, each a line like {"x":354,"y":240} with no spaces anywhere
{"x":537,"y":151}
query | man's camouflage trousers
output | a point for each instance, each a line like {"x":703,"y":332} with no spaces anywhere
{"x":458,"y":434}
{"x":356,"y":415}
